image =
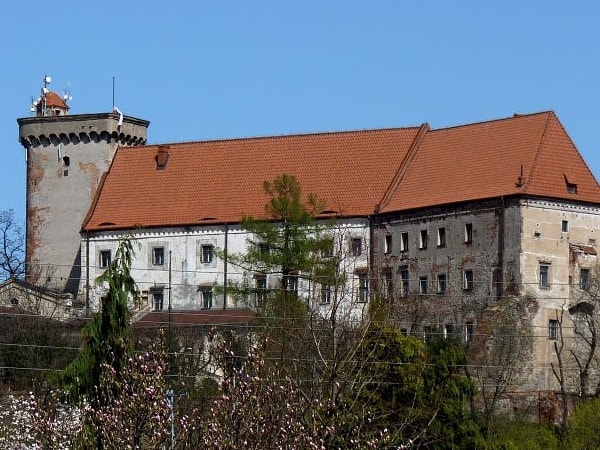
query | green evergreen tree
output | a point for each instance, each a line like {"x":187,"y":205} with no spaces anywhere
{"x":289,"y":244}
{"x":108,"y":336}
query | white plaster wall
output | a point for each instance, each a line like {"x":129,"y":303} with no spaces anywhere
{"x":188,"y":273}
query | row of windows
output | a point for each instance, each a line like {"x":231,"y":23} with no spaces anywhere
{"x":424,"y":287}
{"x":424,"y":239}
{"x":327,"y":249}
{"x":544,"y":277}
{"x":206,"y":298}
{"x":206,"y":256}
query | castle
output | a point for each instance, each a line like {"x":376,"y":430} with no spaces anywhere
{"x":456,"y":218}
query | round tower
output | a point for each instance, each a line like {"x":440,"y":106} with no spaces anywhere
{"x":66,"y":157}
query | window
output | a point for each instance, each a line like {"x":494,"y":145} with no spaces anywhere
{"x":404,"y":278}
{"x":571,"y":187}
{"x":207,"y":254}
{"x":388,"y":283}
{"x":544,"y":275}
{"x":387,"y":245}
{"x":263,"y":249}
{"x":325,"y":293}
{"x":206,"y":295}
{"x":553,"y":329}
{"x":468,"y":233}
{"x":105,"y":258}
{"x":356,"y":246}
{"x":158,"y":256}
{"x":441,"y":237}
{"x":260,"y":285}
{"x":584,"y":279}
{"x":469,"y":331}
{"x":441,"y":283}
{"x":423,"y":239}
{"x":158,"y":298}
{"x":422,"y":285}
{"x":363,"y":287}
{"x":404,"y":242}
{"x":468,"y":286}
{"x":564,"y":227}
{"x":292,"y":284}
{"x":448,"y":330}
{"x":326,"y":248}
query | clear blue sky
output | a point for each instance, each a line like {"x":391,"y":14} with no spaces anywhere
{"x":208,"y":70}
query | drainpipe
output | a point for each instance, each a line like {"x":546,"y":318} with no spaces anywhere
{"x":225,"y":268}
{"x":501,"y":231}
{"x":87,"y":274}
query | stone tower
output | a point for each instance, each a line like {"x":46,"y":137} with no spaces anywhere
{"x":67,"y":156}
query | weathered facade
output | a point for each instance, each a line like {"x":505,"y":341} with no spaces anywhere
{"x":457,"y":227}
{"x":66,"y":158}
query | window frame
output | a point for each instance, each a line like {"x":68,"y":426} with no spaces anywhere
{"x":207,"y":258}
{"x":441,"y":237}
{"x":103,"y":261}
{"x":468,"y":233}
{"x":469,"y":331}
{"x":206,"y":294}
{"x":468,"y":279}
{"x":155,"y":252}
{"x":404,"y":243}
{"x":584,"y":281}
{"x":363,"y":287}
{"x":325,"y":294}
{"x":544,"y":275}
{"x":388,"y":244}
{"x":158,"y":299}
{"x":553,"y":329}
{"x":564,"y":226}
{"x":405,"y":281}
{"x":423,"y":285}
{"x":442,"y":283}
{"x":423,"y":238}
{"x":356,"y":246}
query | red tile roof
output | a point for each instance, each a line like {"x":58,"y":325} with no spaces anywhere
{"x":53,"y":100}
{"x":190,"y":318}
{"x":223,"y":180}
{"x":356,"y":172}
{"x":485,"y":160}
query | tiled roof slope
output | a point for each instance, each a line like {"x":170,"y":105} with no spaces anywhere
{"x":223,"y":180}
{"x":356,"y":172}
{"x":485,"y":160}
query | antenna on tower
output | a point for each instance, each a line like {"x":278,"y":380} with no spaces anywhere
{"x":44,"y":91}
{"x":67,"y":97}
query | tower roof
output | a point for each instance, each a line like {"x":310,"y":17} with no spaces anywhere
{"x":52,"y":101}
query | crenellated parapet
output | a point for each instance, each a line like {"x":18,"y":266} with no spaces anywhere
{"x":82,"y":128}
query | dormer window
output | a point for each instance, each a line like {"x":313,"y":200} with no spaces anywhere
{"x":571,"y":187}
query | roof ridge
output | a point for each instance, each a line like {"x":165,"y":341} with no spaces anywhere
{"x":501,"y":119}
{"x":402,"y":169}
{"x":538,"y":151}
{"x":280,"y":136}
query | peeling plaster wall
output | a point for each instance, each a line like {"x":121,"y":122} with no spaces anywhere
{"x":543,"y":241}
{"x":189,"y":273}
{"x":66,"y":157}
{"x":516,"y":235}
{"x":490,"y":256}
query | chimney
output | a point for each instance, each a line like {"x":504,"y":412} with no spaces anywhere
{"x":162,"y":156}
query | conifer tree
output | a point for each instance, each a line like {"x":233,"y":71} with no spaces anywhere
{"x":107,"y":336}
